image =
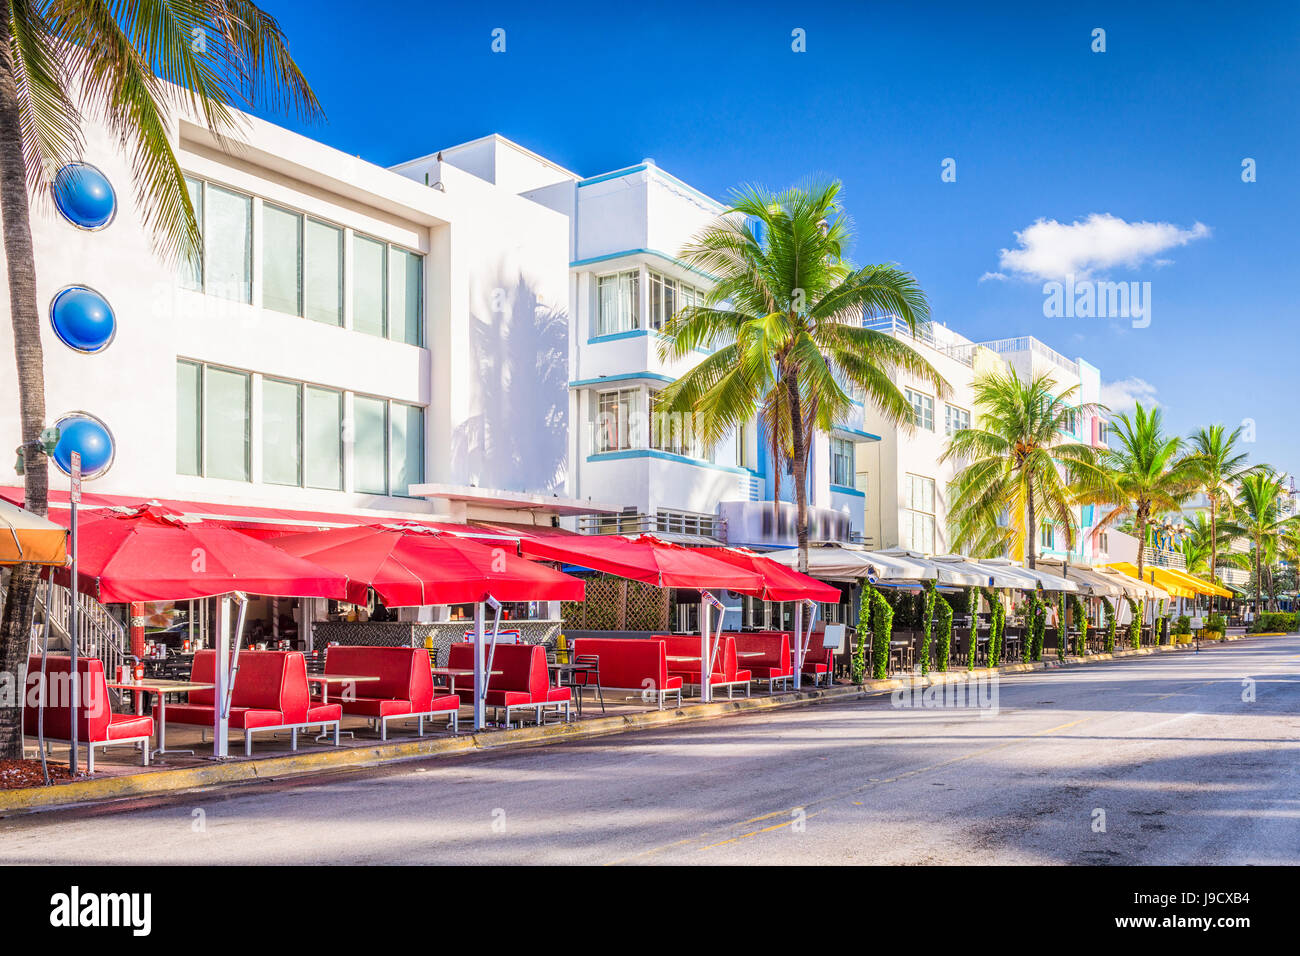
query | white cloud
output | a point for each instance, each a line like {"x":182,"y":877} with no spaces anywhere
{"x":1048,"y":249}
{"x":1123,"y":395}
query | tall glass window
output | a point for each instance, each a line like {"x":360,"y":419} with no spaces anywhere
{"x":404,"y":295}
{"x":192,"y":269}
{"x":225,"y":424}
{"x":281,"y":260}
{"x":842,"y":462}
{"x":405,"y":447}
{"x":189,"y":419}
{"x":369,"y":285}
{"x":620,"y":302}
{"x":614,"y":413}
{"x":917,"y":531}
{"x":228,"y":244}
{"x":323,"y":272}
{"x":369,"y":454}
{"x":322,"y":463}
{"x":922,"y":408}
{"x":281,"y":432}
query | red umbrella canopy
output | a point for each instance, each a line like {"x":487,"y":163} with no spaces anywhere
{"x":150,"y":553}
{"x":411,"y":565}
{"x":646,"y":559}
{"x":779,"y":582}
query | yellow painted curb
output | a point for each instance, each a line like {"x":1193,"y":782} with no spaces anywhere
{"x":236,"y":771}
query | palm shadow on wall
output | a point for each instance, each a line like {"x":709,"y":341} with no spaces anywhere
{"x":516,"y":438}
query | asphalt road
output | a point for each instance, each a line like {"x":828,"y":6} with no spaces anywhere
{"x":1150,"y":760}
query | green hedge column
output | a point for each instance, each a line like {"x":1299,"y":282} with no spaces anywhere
{"x":882,"y":621}
{"x":945,"y":631}
{"x":864,"y":620}
{"x":1034,"y":629}
{"x":927,"y":623}
{"x":1062,"y":626}
{"x":1134,"y":624}
{"x":1081,"y":622}
{"x":1109,"y":607}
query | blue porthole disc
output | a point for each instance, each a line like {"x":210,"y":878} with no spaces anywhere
{"x":84,"y":196}
{"x":83,"y":319}
{"x":82,"y":432}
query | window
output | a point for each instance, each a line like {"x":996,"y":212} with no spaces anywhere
{"x":369,"y":285}
{"x":742,"y":448}
{"x":228,"y":244}
{"x":405,"y":448}
{"x":224,"y":266}
{"x":192,"y":270}
{"x":281,"y":260}
{"x":619,"y":302}
{"x":613,"y":419}
{"x":281,"y":432}
{"x":189,"y":417}
{"x":212,"y":421}
{"x":1103,"y":432}
{"x":668,"y":297}
{"x":955,"y":419}
{"x":225,"y":424}
{"x":1103,"y":543}
{"x":673,"y":432}
{"x":322,"y":291}
{"x":842,"y":469}
{"x":922,"y":408}
{"x":1047,"y":538}
{"x":322,"y":464}
{"x":1071,"y":422}
{"x":405,"y":279}
{"x":917,"y":532}
{"x":369,"y":447}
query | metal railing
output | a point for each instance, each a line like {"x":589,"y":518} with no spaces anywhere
{"x":99,"y":633}
{"x":661,"y":522}
{"x":893,"y":325}
{"x":1027,"y":343}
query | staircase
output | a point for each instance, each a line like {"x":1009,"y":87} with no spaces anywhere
{"x":100,"y":634}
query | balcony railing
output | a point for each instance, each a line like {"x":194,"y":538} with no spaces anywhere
{"x":893,"y":325}
{"x":661,"y":522}
{"x":1027,"y":343}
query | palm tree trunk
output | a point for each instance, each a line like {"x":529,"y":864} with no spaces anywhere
{"x":1257,"y":577}
{"x":1140,"y":523}
{"x":1031,"y":528}
{"x":1214,"y":539}
{"x":800,"y":448}
{"x":15,"y":622}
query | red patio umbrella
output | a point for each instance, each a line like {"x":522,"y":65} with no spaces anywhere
{"x":150,"y":553}
{"x":646,"y":559}
{"x":411,"y":565}
{"x":779,"y":582}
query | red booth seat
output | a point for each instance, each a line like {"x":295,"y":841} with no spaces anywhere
{"x":270,"y":693}
{"x":725,"y":673}
{"x":97,"y":725}
{"x":523,"y":684}
{"x":775,"y":664}
{"x":404,"y":689}
{"x":636,"y":665}
{"x":819,"y":661}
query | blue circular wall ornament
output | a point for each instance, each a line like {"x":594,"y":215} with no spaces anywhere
{"x":83,"y":432}
{"x":82,"y":319}
{"x":84,"y":196}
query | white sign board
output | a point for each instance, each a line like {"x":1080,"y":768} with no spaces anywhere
{"x":75,"y":493}
{"x":1198,"y":623}
{"x":833,"y":637}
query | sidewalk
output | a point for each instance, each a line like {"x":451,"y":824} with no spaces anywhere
{"x":122,"y":781}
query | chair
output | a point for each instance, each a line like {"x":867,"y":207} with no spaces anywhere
{"x":587,"y":676}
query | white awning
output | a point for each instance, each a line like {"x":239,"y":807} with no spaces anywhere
{"x":846,"y":562}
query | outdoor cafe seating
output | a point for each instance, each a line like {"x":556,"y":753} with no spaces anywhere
{"x":97,"y":725}
{"x":269,"y":693}
{"x":520,"y":682}
{"x":403,"y":689}
{"x":633,"y":665}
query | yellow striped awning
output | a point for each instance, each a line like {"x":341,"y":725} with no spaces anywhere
{"x":1176,"y":582}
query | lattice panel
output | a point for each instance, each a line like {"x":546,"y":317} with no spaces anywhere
{"x":647,"y":608}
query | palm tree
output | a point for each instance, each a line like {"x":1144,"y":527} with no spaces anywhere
{"x":59,"y":61}
{"x":787,"y":316}
{"x":1017,"y":467}
{"x":1219,"y":467}
{"x":1198,"y":543}
{"x":1258,"y":515}
{"x":1146,"y":474}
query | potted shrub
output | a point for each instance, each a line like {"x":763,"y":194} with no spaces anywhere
{"x":1215,"y":627}
{"x":1183,"y":630}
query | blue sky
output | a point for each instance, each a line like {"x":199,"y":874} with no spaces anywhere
{"x":1154,"y":130}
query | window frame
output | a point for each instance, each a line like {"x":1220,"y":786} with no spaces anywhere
{"x":924,"y":418}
